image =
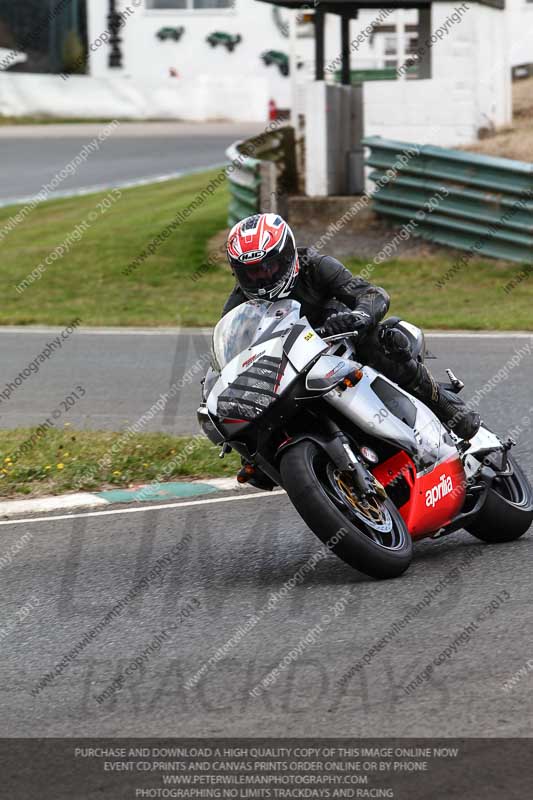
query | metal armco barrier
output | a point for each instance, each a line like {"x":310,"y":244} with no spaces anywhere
{"x":244,"y":184}
{"x":262,"y":172}
{"x":485,"y":204}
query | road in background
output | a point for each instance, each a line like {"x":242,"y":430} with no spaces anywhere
{"x":125,"y":372}
{"x":32,"y":155}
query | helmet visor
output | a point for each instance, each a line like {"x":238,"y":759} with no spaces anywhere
{"x":266,"y":274}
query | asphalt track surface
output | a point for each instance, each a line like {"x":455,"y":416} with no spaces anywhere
{"x":238,"y":550}
{"x":124,"y":372}
{"x":133,"y":152}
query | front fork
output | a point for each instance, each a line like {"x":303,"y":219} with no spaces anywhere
{"x":342,"y":454}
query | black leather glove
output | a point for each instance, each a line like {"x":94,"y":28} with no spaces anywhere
{"x":346,"y":322}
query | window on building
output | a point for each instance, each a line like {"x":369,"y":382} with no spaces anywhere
{"x":184,"y":5}
{"x":390,"y":51}
{"x":387,"y":47}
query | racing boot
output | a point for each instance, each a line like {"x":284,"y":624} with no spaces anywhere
{"x":446,"y":405}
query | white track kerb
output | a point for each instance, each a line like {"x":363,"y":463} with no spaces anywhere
{"x":86,"y":500}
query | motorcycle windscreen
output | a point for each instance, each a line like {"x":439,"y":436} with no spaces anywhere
{"x":251,"y":332}
{"x":245,"y":324}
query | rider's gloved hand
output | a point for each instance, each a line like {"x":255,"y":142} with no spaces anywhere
{"x":346,"y":322}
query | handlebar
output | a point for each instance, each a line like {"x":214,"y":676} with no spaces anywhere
{"x":336,"y":336}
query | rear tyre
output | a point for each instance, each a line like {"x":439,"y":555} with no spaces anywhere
{"x":508,"y":511}
{"x":315,"y":489}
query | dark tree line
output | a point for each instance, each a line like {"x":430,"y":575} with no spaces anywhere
{"x":39,"y":28}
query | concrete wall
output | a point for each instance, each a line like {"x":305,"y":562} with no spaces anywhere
{"x":81,"y":96}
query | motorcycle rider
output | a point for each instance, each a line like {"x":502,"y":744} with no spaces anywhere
{"x":267,"y":265}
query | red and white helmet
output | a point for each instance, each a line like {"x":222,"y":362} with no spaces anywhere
{"x":263,"y":256}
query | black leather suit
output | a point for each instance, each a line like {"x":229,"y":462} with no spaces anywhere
{"x":324,"y":287}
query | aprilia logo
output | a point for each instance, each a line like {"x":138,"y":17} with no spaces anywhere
{"x":445,"y":487}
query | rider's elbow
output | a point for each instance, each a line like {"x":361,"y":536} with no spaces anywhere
{"x":385,"y":297}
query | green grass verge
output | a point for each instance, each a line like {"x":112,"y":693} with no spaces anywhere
{"x":88,"y":282}
{"x":69,"y":460}
{"x":473,"y":299}
{"x":36,"y":120}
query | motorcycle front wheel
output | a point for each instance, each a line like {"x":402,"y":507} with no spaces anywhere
{"x":369,"y":536}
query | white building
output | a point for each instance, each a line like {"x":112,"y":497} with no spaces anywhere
{"x":203,"y":75}
{"x":213,"y":59}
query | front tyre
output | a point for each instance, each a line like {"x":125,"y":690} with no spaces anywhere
{"x":508,"y":510}
{"x":376,"y":541}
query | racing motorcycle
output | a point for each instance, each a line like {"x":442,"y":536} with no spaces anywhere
{"x":367,"y":465}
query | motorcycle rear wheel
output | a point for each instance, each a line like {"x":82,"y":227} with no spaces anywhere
{"x":508,"y":510}
{"x":316,"y":491}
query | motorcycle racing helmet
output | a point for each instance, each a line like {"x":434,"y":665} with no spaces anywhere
{"x":263,"y":257}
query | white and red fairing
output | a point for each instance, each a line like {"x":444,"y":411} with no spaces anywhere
{"x":428,"y":462}
{"x":260,"y":349}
